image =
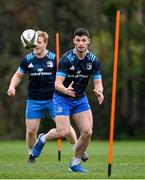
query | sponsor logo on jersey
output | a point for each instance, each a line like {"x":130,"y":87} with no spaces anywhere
{"x":77,"y":76}
{"x":40,"y":69}
{"x":41,"y":74}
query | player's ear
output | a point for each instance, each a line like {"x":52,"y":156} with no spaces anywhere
{"x":89,"y":40}
{"x":74,"y":40}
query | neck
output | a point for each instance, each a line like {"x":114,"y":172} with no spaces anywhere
{"x":42,"y":54}
{"x":80,"y":55}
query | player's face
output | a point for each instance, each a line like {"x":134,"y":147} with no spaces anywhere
{"x":81,"y":43}
{"x":41,"y":46}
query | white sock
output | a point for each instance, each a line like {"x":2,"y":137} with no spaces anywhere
{"x":30,"y":151}
{"x":43,"y":139}
{"x":73,"y":147}
{"x":75,"y":161}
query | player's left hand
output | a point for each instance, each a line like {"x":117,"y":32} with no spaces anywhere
{"x":99,"y":95}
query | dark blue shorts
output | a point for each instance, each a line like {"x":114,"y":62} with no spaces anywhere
{"x":35,"y":109}
{"x":68,"y":107}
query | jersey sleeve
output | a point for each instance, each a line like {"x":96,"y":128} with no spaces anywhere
{"x":63,"y":67}
{"x":23,"y":66}
{"x":96,"y":75}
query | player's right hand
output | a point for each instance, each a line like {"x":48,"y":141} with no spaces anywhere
{"x":70,"y":90}
{"x":11,"y":91}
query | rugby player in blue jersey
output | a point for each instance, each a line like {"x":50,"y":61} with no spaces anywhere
{"x":75,"y":69}
{"x":41,"y":68}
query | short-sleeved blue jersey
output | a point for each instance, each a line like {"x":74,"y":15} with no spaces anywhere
{"x":79,"y":71}
{"x":42,"y":72}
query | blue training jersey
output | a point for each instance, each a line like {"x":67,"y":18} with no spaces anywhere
{"x":42,"y":72}
{"x":79,"y":71}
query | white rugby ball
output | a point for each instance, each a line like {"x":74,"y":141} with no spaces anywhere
{"x":29,"y":38}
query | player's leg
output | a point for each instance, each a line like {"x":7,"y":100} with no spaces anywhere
{"x":84,"y":122}
{"x":34,"y":112}
{"x":51,"y":135}
{"x":62,"y":131}
{"x":72,"y":138}
{"x":82,"y":116}
{"x":32,"y":126}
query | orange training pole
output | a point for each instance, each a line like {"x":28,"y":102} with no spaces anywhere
{"x":57,"y":49}
{"x":57,"y":61}
{"x":59,"y":149}
{"x":114,"y":91}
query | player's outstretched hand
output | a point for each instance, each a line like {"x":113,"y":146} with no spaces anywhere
{"x":99,"y":95}
{"x":70,"y":90}
{"x":11,"y":91}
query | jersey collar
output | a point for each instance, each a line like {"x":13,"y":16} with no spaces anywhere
{"x":75,"y":52}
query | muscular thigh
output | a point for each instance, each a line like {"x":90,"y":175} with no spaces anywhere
{"x":62,"y":122}
{"x":84,"y":120}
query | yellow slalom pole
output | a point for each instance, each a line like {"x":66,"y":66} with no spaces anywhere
{"x":112,"y":117}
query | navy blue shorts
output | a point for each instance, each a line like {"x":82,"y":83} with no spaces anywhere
{"x":67,"y":107}
{"x":35,"y":109}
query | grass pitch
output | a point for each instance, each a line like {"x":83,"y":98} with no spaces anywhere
{"x":128,"y":161}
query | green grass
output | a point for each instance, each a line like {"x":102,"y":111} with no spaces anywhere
{"x":128,"y":161}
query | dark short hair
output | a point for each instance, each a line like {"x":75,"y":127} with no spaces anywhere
{"x":81,"y":32}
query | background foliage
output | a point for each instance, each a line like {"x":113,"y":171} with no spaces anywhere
{"x":64,"y":16}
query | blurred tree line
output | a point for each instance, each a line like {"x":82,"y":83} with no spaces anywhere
{"x":64,"y":16}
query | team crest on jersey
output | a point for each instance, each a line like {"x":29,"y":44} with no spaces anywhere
{"x":50,"y":64}
{"x":89,"y":66}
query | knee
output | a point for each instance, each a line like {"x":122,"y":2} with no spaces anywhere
{"x":31,"y":131}
{"x":63,"y":132}
{"x":87,"y":133}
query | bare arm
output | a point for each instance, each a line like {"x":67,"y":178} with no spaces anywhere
{"x":16,"y":79}
{"x":61,"y":88}
{"x":98,"y":89}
